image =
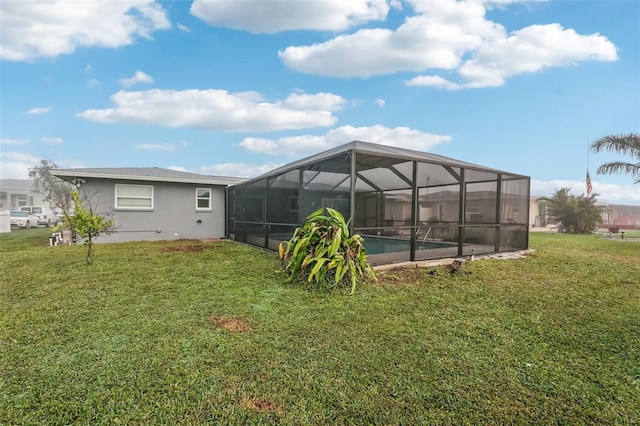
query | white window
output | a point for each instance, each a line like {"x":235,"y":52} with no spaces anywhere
{"x":203,"y":199}
{"x":134,"y":197}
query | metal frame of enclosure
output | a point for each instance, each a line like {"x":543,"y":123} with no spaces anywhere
{"x":408,"y":205}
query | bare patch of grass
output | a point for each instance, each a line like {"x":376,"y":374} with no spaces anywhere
{"x":260,"y":405}
{"x":230,"y":324}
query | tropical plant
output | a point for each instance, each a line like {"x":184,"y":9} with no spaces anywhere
{"x":322,"y":254}
{"x":576,"y":214}
{"x":85,"y":223}
{"x":628,"y":144}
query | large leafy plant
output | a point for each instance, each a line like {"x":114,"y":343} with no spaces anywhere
{"x":322,"y":254}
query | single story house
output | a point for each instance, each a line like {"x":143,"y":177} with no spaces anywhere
{"x":16,"y":193}
{"x":408,"y":205}
{"x":152,"y":203}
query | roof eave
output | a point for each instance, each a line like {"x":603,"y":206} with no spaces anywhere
{"x":79,"y":174}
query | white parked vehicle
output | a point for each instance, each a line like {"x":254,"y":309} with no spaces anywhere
{"x":45,"y":215}
{"x":22,"y":219}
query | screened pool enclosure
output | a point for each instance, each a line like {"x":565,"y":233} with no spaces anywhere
{"x":408,"y":205}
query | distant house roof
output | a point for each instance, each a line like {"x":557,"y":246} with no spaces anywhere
{"x":149,"y":174}
{"x":17,"y":184}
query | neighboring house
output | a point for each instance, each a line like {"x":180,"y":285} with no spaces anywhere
{"x":621,"y":215}
{"x":15,"y":193}
{"x":151,"y":203}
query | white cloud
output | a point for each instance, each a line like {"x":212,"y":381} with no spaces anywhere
{"x":610,"y":193}
{"x":15,"y":165}
{"x":246,"y":170}
{"x":9,"y":141}
{"x":380,"y":102}
{"x":433,"y":81}
{"x":39,"y":110}
{"x":88,"y":69}
{"x":218,"y":110}
{"x":169,"y":147}
{"x":52,"y":141}
{"x":319,"y":101}
{"x":454,"y":36}
{"x":93,"y":82}
{"x":298,"y":145}
{"x":138,"y":78}
{"x":531,"y":49}
{"x":281,"y":15}
{"x":35,"y":29}
{"x":183,"y":28}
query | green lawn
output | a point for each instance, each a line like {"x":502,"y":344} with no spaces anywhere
{"x":145,"y":335}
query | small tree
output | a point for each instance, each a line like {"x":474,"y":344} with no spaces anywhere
{"x":322,"y":254}
{"x":54,"y":190}
{"x":86,"y":224}
{"x":578,"y":214}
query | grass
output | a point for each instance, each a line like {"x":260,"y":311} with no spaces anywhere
{"x":144,"y":336}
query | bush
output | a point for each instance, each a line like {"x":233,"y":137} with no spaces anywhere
{"x":322,"y":254}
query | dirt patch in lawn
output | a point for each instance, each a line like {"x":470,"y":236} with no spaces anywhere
{"x":230,"y":324}
{"x":262,"y":405}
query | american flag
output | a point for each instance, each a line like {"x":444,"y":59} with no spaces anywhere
{"x":589,"y":187}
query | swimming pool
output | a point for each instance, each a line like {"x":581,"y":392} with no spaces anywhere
{"x":378,"y":245}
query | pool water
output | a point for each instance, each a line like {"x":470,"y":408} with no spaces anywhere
{"x":376,"y":245}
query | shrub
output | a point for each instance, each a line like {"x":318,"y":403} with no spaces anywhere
{"x":322,"y":254}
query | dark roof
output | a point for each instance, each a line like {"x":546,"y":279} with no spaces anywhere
{"x":384,"y":151}
{"x":150,"y":174}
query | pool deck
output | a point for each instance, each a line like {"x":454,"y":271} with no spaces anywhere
{"x":521,"y":254}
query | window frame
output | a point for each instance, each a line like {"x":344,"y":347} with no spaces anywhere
{"x":117,"y":197}
{"x":210,"y":198}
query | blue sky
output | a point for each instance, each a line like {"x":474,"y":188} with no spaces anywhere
{"x":237,"y":88}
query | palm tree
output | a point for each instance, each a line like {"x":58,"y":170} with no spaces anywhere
{"x":623,"y":144}
{"x":576,"y":215}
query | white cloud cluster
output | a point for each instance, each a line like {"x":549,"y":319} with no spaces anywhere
{"x":39,"y":110}
{"x":137,"y":78}
{"x":282,"y":15}
{"x":34,"y":29}
{"x":246,"y":170}
{"x":15,"y":165}
{"x":298,"y":145}
{"x":169,"y":147}
{"x":449,"y":35}
{"x":52,"y":140}
{"x":218,"y":110}
{"x":11,"y":141}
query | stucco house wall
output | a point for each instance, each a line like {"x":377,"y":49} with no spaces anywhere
{"x":173,"y":212}
{"x":173,"y":216}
